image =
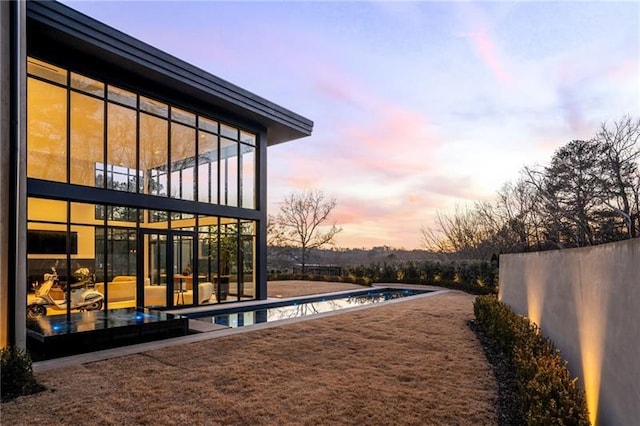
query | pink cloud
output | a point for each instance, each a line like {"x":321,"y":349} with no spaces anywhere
{"x":392,"y":145}
{"x":397,"y":142}
{"x":372,"y":225}
{"x":488,"y":52}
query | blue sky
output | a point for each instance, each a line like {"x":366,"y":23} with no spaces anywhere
{"x":418,"y":106}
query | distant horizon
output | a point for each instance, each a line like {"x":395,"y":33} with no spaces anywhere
{"x":418,"y":107}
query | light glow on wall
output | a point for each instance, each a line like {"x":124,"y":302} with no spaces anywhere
{"x":592,"y":313}
{"x":535,"y":301}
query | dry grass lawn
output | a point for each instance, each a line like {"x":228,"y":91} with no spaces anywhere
{"x":414,"y":362}
{"x":303,"y":288}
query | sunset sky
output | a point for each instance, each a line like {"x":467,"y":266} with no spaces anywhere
{"x":418,"y":106}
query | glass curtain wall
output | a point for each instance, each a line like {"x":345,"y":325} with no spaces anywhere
{"x":86,"y":132}
{"x":226,"y":257}
{"x":80,"y":243}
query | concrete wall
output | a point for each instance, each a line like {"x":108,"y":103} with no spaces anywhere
{"x":587,"y":301}
{"x":4,"y":168}
{"x":12,"y":173}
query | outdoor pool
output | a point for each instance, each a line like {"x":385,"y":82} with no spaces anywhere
{"x":278,"y":311}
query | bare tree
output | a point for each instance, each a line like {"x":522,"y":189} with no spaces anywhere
{"x":300,"y":224}
{"x":517,"y":207}
{"x":467,"y":232}
{"x":620,"y":154}
{"x":588,"y":194}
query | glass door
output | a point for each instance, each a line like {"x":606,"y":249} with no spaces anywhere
{"x":165,"y":268}
{"x":183,"y":267}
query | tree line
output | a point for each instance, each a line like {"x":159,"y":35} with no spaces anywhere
{"x":588,"y":194}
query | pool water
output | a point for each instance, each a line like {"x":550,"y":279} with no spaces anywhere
{"x":295,"y":309}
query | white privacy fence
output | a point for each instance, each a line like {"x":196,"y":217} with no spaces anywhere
{"x":587,"y":301}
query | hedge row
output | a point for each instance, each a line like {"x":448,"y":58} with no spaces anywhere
{"x":548,"y":395}
{"x":477,"y":277}
{"x":285,"y":276}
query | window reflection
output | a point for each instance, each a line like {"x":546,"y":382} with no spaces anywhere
{"x":183,"y":116}
{"x":248,"y":138}
{"x":248,"y":161}
{"x":208,"y":124}
{"x":121,"y":169}
{"x":223,"y":268}
{"x":228,"y":172}
{"x":145,"y":152}
{"x":208,"y":168}
{"x":228,"y":131}
{"x":116,"y":94}
{"x":154,"y":107}
{"x":87,"y":139}
{"x":87,"y":85}
{"x":153,"y":154}
{"x":46,"y":131}
{"x":183,"y":152}
{"x":47,"y":71}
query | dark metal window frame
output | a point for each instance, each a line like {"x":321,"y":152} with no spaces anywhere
{"x":170,"y":104}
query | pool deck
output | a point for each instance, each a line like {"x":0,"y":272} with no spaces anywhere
{"x":204,"y":331}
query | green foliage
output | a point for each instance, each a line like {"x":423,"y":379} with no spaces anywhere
{"x":352,"y":279}
{"x":17,"y":374}
{"x":548,"y":395}
{"x":477,"y":277}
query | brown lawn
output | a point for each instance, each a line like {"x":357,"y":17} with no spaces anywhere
{"x":414,"y":362}
{"x":304,"y":288}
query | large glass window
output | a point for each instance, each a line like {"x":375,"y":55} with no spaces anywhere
{"x":46,"y":131}
{"x":228,"y":172}
{"x":248,"y":167}
{"x":87,"y":139}
{"x":183,"y":155}
{"x":122,"y":169}
{"x":248,"y":259}
{"x":151,"y":147}
{"x":226,"y":256}
{"x":208,"y":168}
{"x":153,"y":154}
{"x":82,"y":131}
{"x":183,"y":260}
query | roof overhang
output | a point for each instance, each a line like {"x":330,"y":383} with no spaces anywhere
{"x":53,"y":25}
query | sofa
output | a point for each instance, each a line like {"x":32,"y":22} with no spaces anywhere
{"x":205,"y":291}
{"x":156,"y":295}
{"x":123,"y":288}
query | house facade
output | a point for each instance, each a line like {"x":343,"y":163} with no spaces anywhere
{"x":127,"y":168}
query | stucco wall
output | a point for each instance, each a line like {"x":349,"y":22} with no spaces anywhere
{"x":587,"y":301}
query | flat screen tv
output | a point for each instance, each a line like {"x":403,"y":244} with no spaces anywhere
{"x":51,"y":242}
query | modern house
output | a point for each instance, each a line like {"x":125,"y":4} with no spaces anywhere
{"x":126,"y":166}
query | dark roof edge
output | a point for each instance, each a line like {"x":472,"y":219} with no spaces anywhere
{"x":78,"y":25}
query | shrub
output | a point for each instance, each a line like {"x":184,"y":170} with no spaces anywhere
{"x":547,"y":393}
{"x":17,"y":374}
{"x":477,"y":277}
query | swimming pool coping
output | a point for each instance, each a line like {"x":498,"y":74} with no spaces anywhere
{"x":102,"y":355}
